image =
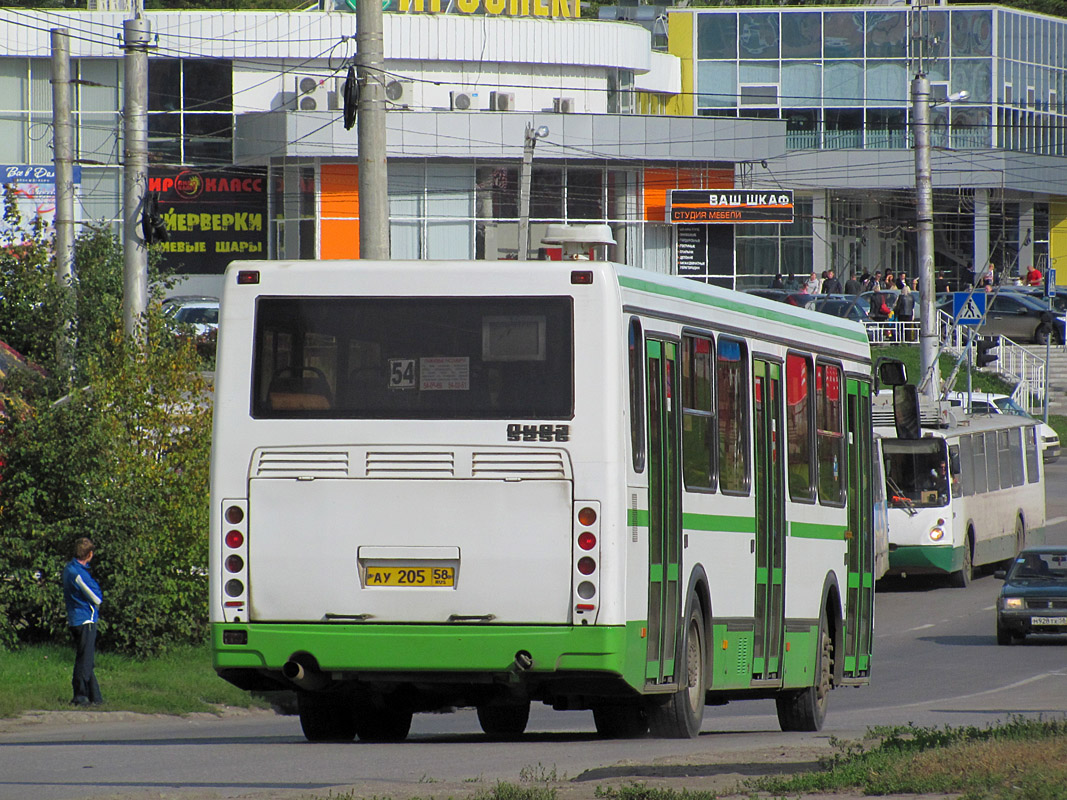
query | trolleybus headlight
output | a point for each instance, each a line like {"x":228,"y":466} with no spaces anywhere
{"x":586,"y":540}
{"x":234,"y":539}
{"x":234,"y":563}
{"x":234,"y":515}
{"x":586,"y":565}
{"x":234,"y":587}
{"x":586,"y":590}
{"x":587,"y":516}
{"x":936,"y":534}
{"x":1012,"y":602}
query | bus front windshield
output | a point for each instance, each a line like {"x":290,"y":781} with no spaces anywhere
{"x":916,"y":472}
{"x":413,"y":358}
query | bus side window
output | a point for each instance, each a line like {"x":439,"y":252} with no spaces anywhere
{"x":954,"y":469}
{"x":830,"y":434}
{"x":992,"y":461}
{"x":966,"y":458}
{"x":636,"y":346}
{"x":731,"y":382}
{"x":698,"y":413}
{"x":1032,"y":460}
{"x":800,"y":423}
{"x":1015,"y":439}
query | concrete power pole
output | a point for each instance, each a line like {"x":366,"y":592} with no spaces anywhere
{"x":924,"y":213}
{"x":136,"y":37}
{"x":63,"y":154}
{"x":373,"y":173}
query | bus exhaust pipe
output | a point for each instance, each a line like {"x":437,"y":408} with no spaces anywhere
{"x":523,"y":661}
{"x":304,"y":677}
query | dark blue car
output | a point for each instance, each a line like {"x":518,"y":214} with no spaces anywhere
{"x":1033,"y":599}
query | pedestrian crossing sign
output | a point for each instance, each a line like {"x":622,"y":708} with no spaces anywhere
{"x":968,"y":308}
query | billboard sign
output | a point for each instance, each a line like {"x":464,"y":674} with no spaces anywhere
{"x":719,"y":206}
{"x":213,"y":217}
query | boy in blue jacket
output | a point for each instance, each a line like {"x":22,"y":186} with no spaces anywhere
{"x":83,"y":597}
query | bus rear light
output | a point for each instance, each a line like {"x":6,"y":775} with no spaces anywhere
{"x":586,"y":540}
{"x":587,"y":516}
{"x":248,"y":277}
{"x":234,"y":587}
{"x":582,"y":277}
{"x":586,"y":565}
{"x":585,"y":607}
{"x":234,"y":563}
{"x":586,"y":590}
{"x":234,"y":515}
{"x":234,"y":539}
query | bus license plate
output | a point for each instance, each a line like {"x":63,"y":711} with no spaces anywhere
{"x":1048,"y":620}
{"x":411,"y":576}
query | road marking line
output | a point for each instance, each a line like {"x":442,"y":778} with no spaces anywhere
{"x":1055,"y":521}
{"x":1032,"y":679}
{"x":921,"y":627}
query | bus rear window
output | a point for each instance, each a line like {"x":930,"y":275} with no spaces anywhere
{"x":916,"y":472}
{"x":413,"y":358}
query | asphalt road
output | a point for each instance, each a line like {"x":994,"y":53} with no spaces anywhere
{"x":936,"y":663}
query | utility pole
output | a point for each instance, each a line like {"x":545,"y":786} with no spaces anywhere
{"x":136,"y":34}
{"x":63,"y":154}
{"x":63,"y":158}
{"x":373,"y":172}
{"x":525,"y":176}
{"x":924,"y":213}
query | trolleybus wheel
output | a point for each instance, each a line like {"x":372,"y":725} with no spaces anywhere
{"x":681,"y":715}
{"x":504,"y":720}
{"x":962,"y":578}
{"x":805,"y":710}
{"x":326,"y":717}
{"x":620,"y":721}
{"x":382,"y":723}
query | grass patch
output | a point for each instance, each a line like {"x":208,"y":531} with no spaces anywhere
{"x":641,"y":791}
{"x":181,"y":681}
{"x":1024,"y":759}
{"x":1058,"y":423}
{"x":909,"y":354}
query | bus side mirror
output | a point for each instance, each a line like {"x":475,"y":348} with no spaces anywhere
{"x":889,"y":372}
{"x":906,"y":411}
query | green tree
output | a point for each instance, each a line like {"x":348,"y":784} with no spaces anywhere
{"x":122,"y":458}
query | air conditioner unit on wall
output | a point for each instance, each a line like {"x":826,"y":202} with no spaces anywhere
{"x":502,"y":101}
{"x":563,"y":105}
{"x":398,"y":91}
{"x":311,"y":93}
{"x":459,"y":101}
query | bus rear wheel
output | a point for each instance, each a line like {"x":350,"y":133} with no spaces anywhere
{"x":620,"y":721}
{"x":382,"y":723}
{"x":805,"y":710}
{"x":681,"y":715}
{"x":326,"y":717}
{"x":504,"y":720}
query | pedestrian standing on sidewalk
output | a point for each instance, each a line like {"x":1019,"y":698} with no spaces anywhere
{"x":83,"y":597}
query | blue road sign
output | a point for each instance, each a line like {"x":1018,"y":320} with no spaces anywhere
{"x":1050,"y":281}
{"x":967,"y":308}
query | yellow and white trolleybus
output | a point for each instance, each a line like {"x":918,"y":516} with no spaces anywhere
{"x":489,"y":483}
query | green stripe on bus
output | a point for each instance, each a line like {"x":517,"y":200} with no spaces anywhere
{"x":853,"y":580}
{"x":637,"y":516}
{"x":868,"y":580}
{"x":816,"y":530}
{"x":761,"y":575}
{"x":643,"y":285}
{"x":718,"y":522}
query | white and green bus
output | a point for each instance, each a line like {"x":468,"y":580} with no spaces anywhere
{"x":481,"y":484}
{"x":963,"y":495}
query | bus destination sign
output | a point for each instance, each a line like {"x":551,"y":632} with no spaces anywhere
{"x":730,"y":206}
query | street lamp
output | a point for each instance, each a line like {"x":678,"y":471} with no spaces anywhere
{"x":532,"y":135}
{"x":924,"y":212}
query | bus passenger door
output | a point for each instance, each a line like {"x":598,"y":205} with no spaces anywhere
{"x":770,"y":521}
{"x":859,"y":614}
{"x":664,"y":513}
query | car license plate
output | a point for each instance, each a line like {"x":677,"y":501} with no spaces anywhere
{"x":1048,"y":620}
{"x":410,"y":576}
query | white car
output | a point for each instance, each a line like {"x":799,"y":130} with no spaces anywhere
{"x":201,"y":313}
{"x":987,"y":403}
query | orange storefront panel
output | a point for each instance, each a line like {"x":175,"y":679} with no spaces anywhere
{"x":658,"y":182}
{"x":339,"y":215}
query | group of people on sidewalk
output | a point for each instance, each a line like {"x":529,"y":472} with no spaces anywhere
{"x":903,"y":308}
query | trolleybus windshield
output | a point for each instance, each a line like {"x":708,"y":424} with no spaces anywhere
{"x":916,"y":472}
{"x":413,"y":358}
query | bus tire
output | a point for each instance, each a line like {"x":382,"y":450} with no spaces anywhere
{"x":680,"y":715}
{"x":326,"y":717}
{"x":620,"y":721}
{"x":961,"y":578}
{"x":504,"y":720}
{"x":382,"y":723}
{"x":1020,"y":535}
{"x":805,"y":709}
